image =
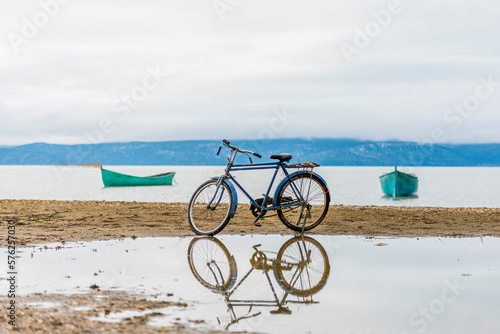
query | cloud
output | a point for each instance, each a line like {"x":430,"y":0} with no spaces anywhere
{"x":226,"y":76}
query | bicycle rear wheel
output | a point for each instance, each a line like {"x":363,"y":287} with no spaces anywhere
{"x":307,"y":214}
{"x":210,"y":207}
{"x":302,"y":266}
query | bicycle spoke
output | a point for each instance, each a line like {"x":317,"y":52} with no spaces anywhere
{"x":312,"y":199}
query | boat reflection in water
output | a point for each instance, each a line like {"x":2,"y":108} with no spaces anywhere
{"x":300,"y":267}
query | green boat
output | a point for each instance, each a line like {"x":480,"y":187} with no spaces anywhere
{"x":114,"y":179}
{"x":397,"y":184}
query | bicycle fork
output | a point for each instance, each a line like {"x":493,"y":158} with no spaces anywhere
{"x":219,"y":185}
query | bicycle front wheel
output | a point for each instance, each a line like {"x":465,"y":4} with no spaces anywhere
{"x":211,"y":264}
{"x":210,"y":207}
{"x":304,"y":211}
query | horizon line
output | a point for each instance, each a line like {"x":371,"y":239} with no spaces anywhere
{"x":257,"y":140}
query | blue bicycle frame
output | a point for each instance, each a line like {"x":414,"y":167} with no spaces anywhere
{"x":259,"y":166}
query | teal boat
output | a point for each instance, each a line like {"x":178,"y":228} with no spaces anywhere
{"x":114,"y":179}
{"x":397,"y":184}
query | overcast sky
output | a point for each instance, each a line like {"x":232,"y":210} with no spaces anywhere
{"x":111,"y":71}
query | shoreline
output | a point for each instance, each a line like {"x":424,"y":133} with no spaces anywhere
{"x":40,"y":221}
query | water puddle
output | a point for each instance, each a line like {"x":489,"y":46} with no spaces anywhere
{"x":276,"y":284}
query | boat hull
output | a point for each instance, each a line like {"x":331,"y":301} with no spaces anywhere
{"x":397,"y":184}
{"x":114,"y":179}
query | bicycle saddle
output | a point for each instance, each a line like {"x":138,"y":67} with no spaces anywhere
{"x":283,"y":157}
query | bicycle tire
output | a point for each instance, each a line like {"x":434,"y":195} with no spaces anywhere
{"x":211,"y":263}
{"x":315,"y":267}
{"x":205,"y":219}
{"x":307,"y":216}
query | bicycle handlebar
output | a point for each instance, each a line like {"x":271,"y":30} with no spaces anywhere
{"x":228,"y":144}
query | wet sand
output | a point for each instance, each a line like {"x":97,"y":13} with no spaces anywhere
{"x":41,"y":222}
{"x":57,"y":313}
{"x":65,"y":221}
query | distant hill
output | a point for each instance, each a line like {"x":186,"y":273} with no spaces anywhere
{"x":331,"y":152}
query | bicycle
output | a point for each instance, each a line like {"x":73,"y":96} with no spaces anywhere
{"x":301,"y":268}
{"x":301,"y":199}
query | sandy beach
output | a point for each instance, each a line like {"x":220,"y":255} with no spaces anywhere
{"x":65,"y":221}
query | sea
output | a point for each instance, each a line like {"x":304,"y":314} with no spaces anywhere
{"x":477,"y":187}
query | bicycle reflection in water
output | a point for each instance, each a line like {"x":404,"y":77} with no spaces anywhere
{"x":301,"y":268}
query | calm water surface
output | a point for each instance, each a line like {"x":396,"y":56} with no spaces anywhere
{"x":438,"y":186}
{"x":351,"y":285}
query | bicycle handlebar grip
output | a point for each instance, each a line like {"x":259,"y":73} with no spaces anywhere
{"x":258,"y":155}
{"x":225,"y":141}
{"x":219,"y":149}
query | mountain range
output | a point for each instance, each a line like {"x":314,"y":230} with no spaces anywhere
{"x":329,"y":152}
